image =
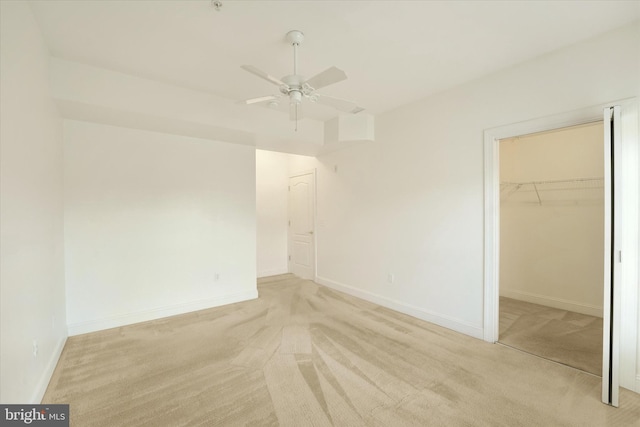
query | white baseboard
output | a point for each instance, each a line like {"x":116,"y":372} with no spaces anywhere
{"x":438,"y":319}
{"x":43,"y":383}
{"x":560,"y":303}
{"x":158,"y":313}
{"x":272,"y":272}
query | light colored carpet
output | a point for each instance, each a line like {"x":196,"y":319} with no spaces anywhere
{"x":304,"y":355}
{"x":563,"y":336}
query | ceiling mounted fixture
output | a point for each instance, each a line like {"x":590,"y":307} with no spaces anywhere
{"x":297,"y":88}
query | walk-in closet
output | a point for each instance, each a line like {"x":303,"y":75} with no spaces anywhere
{"x":551,"y":245}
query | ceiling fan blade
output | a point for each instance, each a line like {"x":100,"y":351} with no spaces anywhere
{"x":257,"y":72}
{"x":295,"y":111}
{"x":339,"y":104}
{"x":327,"y":77}
{"x":259,"y":99}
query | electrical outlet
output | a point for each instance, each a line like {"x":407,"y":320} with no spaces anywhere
{"x":216,"y":277}
{"x":391,"y":278}
{"x":35,"y":348}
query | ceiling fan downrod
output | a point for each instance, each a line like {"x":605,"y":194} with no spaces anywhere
{"x":295,"y":37}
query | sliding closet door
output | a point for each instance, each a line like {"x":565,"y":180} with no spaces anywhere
{"x":612,"y":257}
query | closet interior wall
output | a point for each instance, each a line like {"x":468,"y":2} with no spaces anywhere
{"x":552,"y":216}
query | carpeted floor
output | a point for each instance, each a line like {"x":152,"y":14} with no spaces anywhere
{"x":563,"y":336}
{"x":305,"y":355}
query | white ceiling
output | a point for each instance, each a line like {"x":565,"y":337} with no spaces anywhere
{"x":394,"y":52}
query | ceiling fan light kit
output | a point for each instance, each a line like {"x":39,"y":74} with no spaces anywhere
{"x":297,"y":88}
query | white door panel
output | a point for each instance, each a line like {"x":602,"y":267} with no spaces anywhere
{"x":302,"y":225}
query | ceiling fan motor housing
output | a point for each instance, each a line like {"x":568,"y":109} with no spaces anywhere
{"x":293,"y":81}
{"x":293,"y":88}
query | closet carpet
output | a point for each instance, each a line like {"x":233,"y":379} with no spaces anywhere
{"x":305,"y":355}
{"x":563,"y":336}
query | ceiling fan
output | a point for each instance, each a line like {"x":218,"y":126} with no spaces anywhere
{"x":297,"y":87}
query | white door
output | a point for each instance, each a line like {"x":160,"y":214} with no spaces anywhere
{"x":612,"y":258}
{"x":302,"y":254}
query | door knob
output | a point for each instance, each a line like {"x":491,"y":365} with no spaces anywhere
{"x":311,"y":232}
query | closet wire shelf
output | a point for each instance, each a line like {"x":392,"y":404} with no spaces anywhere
{"x":571,"y":191}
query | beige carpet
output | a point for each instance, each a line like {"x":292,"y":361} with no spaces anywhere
{"x":563,"y":336}
{"x":304,"y":355}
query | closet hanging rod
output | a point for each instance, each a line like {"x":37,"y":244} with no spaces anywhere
{"x":557,"y":181}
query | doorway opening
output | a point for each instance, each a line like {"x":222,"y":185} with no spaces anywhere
{"x":552,"y":245}
{"x":621,"y":261}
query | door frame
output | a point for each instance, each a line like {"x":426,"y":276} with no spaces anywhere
{"x":627,"y":218}
{"x":313,"y":173}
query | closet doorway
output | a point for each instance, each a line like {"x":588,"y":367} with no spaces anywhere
{"x":621,"y":214}
{"x":552,"y":245}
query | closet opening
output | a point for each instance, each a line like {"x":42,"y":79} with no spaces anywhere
{"x":552,"y":245}
{"x":621,"y":233}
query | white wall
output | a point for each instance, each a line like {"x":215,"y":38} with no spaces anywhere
{"x":155,"y":224}
{"x":272,"y":180}
{"x":411,"y":204}
{"x":551,"y":253}
{"x":32,"y":298}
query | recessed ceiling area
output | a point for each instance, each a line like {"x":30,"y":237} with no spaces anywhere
{"x":393,"y":52}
